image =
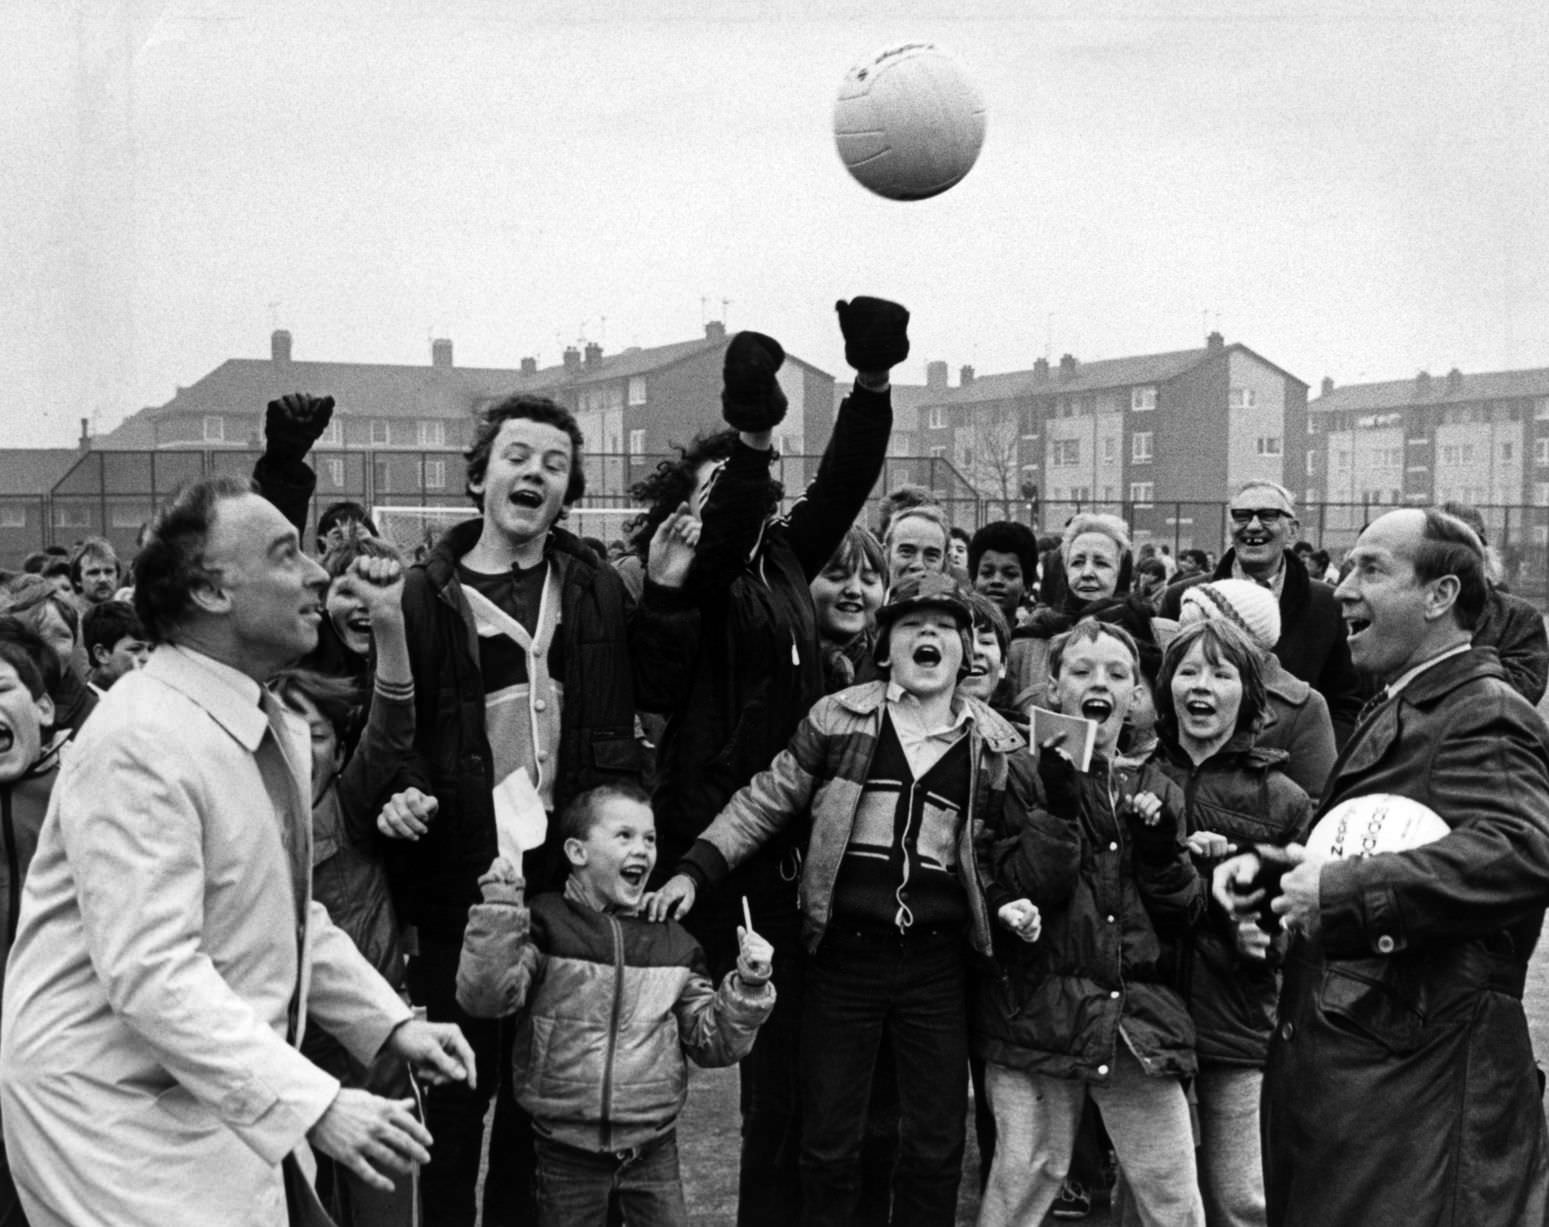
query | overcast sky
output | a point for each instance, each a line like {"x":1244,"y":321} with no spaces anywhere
{"x":1352,"y":188}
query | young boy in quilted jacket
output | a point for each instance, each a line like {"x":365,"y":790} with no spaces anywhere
{"x":608,"y":1005}
{"x":1091,"y":1007}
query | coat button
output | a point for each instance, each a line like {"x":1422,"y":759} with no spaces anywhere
{"x":1102,"y":1070}
{"x":1110,"y":917}
{"x":538,"y":705}
{"x":1385,"y":944}
{"x":542,"y":756}
{"x":1114,"y":994}
{"x":1114,"y":846}
{"x":1287,"y":1030}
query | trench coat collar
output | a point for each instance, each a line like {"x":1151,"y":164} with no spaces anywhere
{"x":228,"y":696}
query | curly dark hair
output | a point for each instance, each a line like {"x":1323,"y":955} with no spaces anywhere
{"x":672,"y":483}
{"x":534,"y":408}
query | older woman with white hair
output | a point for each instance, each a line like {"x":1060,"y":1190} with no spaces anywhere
{"x":1097,"y":566}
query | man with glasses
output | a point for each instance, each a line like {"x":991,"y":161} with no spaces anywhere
{"x":1312,"y":645}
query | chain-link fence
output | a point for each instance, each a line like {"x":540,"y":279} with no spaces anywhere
{"x":114,"y":493}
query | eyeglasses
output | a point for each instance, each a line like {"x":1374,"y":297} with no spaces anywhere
{"x":1265,"y":515}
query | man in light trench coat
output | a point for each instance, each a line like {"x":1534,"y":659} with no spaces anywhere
{"x":168,"y":954}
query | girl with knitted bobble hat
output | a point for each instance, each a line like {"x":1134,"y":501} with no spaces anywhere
{"x":1296,"y":717}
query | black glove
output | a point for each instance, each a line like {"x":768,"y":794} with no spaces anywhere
{"x":876,"y":333}
{"x":751,"y":398}
{"x":1274,"y":864}
{"x":294,"y":423}
{"x":1061,"y":783}
{"x":1155,"y":843}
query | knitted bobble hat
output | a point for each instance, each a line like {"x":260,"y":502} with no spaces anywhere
{"x":1249,"y":607}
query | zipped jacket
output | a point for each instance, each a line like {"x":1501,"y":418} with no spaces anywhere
{"x":608,"y":1005}
{"x":824,"y":771}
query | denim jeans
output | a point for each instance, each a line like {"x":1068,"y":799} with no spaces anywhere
{"x":575,"y":1186}
{"x":861,"y":987}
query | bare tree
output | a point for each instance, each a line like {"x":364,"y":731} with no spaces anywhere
{"x":988,"y":452}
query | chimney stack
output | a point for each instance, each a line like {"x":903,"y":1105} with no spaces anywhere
{"x":1041,"y":370}
{"x":441,"y":352}
{"x":935,"y":375}
{"x":1328,"y":385}
{"x":279,"y":345}
{"x":715,"y":330}
{"x":1454,"y":380}
{"x":572,"y":359}
{"x":1422,"y":385}
{"x":965,"y":376}
{"x":529,"y":366}
{"x":1215,"y":342}
{"x":85,"y":440}
{"x":593,"y":355}
{"x":1067,"y":367}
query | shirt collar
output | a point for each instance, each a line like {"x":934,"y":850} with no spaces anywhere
{"x":1404,"y":679}
{"x":1276,"y":581}
{"x":962,"y":713}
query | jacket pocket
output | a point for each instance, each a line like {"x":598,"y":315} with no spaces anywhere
{"x":1367,"y":998}
{"x":615,"y":750}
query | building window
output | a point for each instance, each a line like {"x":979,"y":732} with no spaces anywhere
{"x":435,"y":475}
{"x":1342,"y":458}
{"x":1141,"y":493}
{"x":1242,"y":398}
{"x":1541,"y":492}
{"x":1457,"y":453}
{"x":214,"y":429}
{"x":1541,"y":534}
{"x":1506,"y":450}
{"x":1065,"y":452}
{"x":938,"y":452}
{"x":12,"y":516}
{"x":1142,"y":399}
{"x":637,"y":389}
{"x":1110,"y":448}
{"x":1140,"y":447}
{"x":383,"y":477}
{"x":1391,"y":457}
{"x":67,"y":516}
{"x":1312,"y":464}
{"x":1541,"y":409}
{"x":333,"y":436}
{"x":1310,"y":496}
{"x":379,"y":432}
{"x":432,"y":433}
{"x":335,"y":471}
{"x":1268,"y":445}
{"x":938,"y":417}
{"x":637,"y":442}
{"x":1081,"y":494}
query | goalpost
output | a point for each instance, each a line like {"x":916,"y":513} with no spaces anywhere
{"x":415,"y":530}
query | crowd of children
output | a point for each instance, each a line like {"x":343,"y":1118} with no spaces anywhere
{"x":772,"y":789}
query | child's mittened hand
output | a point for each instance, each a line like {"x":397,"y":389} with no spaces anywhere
{"x":755,"y":958}
{"x":1209,"y":846}
{"x":1023,"y":918}
{"x":501,"y":883}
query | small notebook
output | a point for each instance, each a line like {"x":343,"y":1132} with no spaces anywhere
{"x":1080,"y":735}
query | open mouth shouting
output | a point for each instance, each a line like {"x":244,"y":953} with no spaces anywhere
{"x":634,"y":877}
{"x":926,"y":655}
{"x":7,"y":738}
{"x":1096,"y":708}
{"x":527,"y":497}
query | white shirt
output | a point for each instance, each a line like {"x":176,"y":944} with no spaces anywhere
{"x":923,"y":746}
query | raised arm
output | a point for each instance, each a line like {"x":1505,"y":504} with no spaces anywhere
{"x":292,"y":424}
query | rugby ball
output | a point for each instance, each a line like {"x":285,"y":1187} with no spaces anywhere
{"x":1381,"y":822}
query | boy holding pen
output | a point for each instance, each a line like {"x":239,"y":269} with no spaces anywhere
{"x":608,"y":1004}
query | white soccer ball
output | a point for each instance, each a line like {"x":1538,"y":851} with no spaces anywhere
{"x":908,"y":123}
{"x":1381,"y":822}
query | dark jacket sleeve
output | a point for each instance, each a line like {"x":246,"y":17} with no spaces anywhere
{"x":1027,"y":851}
{"x":732,"y":519}
{"x":1173,"y":891}
{"x":851,"y":464}
{"x":368,"y":777}
{"x":1487,"y":773}
{"x":664,"y":642}
{"x":289,"y":486}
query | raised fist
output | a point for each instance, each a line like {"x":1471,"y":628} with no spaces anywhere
{"x":294,"y":422}
{"x":751,"y":398}
{"x":876,"y":333}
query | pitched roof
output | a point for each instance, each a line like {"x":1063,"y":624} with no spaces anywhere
{"x":386,"y":390}
{"x":34,"y":470}
{"x":1088,"y":377}
{"x":1402,"y":393}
